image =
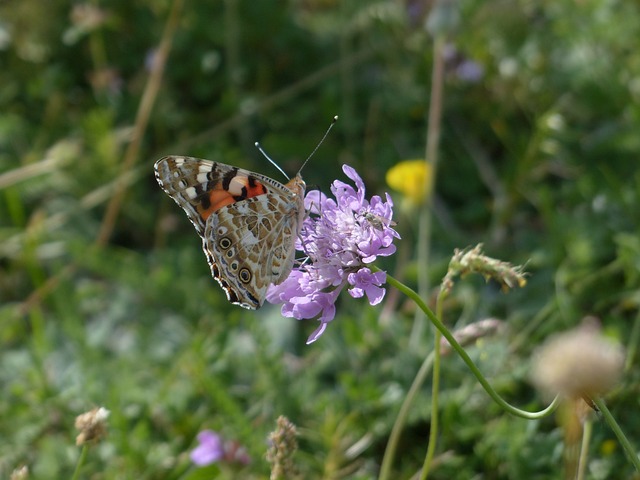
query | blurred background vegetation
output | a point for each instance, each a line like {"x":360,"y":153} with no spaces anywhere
{"x":110,"y":303}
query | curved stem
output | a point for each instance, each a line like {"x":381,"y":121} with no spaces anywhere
{"x":465,"y":357}
{"x":626,"y":444}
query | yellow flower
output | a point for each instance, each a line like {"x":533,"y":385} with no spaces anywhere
{"x":410,"y":178}
{"x":608,"y":447}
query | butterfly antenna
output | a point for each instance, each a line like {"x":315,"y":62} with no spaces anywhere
{"x":259,"y":147}
{"x":333,"y":122}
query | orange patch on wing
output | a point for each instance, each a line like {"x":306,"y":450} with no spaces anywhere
{"x":240,"y":188}
{"x":246,"y":187}
{"x":217,"y":199}
{"x":257,"y":189}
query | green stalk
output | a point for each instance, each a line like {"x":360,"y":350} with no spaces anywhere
{"x":435,"y":391}
{"x":624,"y":441}
{"x":389,"y":454}
{"x":81,"y":459}
{"x":465,"y":357}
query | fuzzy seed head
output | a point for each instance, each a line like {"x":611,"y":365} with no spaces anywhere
{"x":578,"y":362}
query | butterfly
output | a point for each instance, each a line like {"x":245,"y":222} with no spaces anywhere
{"x":248,"y":222}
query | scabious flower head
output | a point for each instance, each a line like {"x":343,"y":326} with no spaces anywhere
{"x":212,"y":448}
{"x":340,"y":237}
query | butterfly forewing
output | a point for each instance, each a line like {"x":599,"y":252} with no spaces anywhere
{"x":248,"y":222}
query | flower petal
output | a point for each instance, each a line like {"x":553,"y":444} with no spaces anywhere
{"x":316,"y":333}
{"x":340,"y":237}
{"x":210,"y":449}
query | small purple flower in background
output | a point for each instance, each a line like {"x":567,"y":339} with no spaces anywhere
{"x":340,"y":238}
{"x":461,"y":66}
{"x":212,"y":448}
{"x":470,"y":71}
{"x":209,"y":450}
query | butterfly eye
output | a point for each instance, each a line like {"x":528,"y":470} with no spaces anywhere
{"x":230,"y":253}
{"x":224,"y":243}
{"x":245,"y":275}
{"x":234,"y":266}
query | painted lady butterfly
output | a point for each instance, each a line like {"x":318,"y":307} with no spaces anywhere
{"x":248,"y":222}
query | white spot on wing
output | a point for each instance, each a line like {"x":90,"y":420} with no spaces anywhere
{"x":191,"y":192}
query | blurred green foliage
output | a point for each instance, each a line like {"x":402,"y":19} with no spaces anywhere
{"x":539,"y":160}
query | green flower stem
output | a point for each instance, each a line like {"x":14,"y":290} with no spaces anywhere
{"x":81,"y":459}
{"x":465,"y":357}
{"x":435,"y":391}
{"x":624,"y":441}
{"x":389,"y":454}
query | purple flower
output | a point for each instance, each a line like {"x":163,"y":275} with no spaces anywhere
{"x":340,"y":237}
{"x":365,"y":282}
{"x":212,"y":448}
{"x":470,"y":71}
{"x":209,"y":450}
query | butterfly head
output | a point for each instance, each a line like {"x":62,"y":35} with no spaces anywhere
{"x":297,"y":185}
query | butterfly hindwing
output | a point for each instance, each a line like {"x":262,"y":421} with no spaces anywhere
{"x":251,"y":247}
{"x":248,"y":222}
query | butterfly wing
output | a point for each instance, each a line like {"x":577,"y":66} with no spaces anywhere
{"x":250,"y":245}
{"x":199,"y":186}
{"x":248,"y":222}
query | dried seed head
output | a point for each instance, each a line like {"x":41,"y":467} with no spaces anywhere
{"x":473,"y":260}
{"x":282,"y":445}
{"x":92,"y":426}
{"x":578,"y":362}
{"x":472,"y":332}
{"x":21,"y":473}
